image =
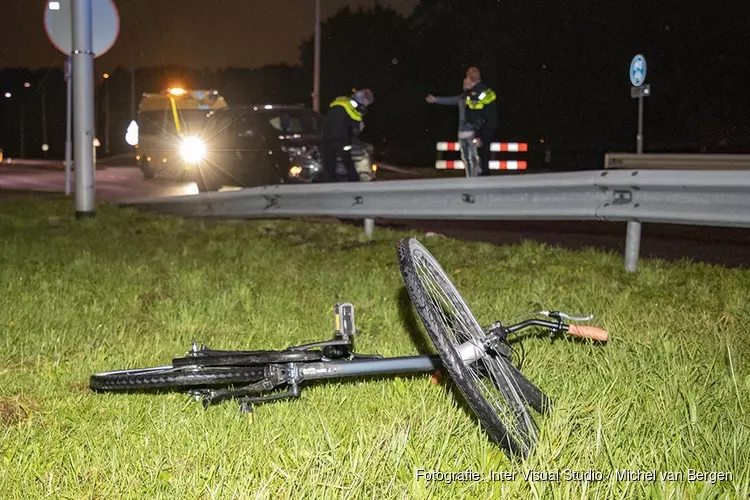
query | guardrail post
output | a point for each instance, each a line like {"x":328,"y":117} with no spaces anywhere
{"x":369,"y":227}
{"x":632,"y":246}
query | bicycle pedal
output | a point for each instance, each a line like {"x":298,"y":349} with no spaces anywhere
{"x":343,"y":314}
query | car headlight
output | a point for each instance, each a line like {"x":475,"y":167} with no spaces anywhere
{"x":303,"y":170}
{"x":192,"y":149}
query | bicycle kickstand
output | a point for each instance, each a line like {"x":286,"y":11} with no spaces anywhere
{"x":246,"y":403}
{"x":215,"y":397}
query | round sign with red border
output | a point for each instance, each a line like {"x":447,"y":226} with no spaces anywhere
{"x":105,"y":25}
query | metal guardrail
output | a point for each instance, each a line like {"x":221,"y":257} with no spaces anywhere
{"x":716,"y":198}
{"x":668,"y":161}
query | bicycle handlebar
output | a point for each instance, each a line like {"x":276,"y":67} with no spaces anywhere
{"x":590,"y":332}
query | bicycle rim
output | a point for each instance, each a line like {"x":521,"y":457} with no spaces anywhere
{"x":497,"y":400}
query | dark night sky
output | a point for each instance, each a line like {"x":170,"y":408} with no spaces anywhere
{"x":195,"y":33}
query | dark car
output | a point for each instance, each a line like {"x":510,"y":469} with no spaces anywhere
{"x":267,"y":144}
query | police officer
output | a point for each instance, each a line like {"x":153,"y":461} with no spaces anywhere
{"x":343,"y":123}
{"x":477,"y":121}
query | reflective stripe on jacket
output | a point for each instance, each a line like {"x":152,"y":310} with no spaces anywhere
{"x":350,"y":105}
{"x":478,"y":100}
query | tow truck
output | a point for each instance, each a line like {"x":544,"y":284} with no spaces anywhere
{"x":169,"y":138}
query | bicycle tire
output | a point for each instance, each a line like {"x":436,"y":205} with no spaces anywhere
{"x":531,"y":393}
{"x":171,"y":377}
{"x":517,"y":434}
{"x":246,"y":358}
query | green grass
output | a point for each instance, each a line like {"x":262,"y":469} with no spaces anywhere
{"x":669,"y":391}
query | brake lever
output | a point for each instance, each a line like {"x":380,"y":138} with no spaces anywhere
{"x":560,"y":315}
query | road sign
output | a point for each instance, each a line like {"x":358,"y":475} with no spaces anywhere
{"x":58,"y":23}
{"x":638,"y":70}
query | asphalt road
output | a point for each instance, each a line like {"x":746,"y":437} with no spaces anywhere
{"x":112,"y":184}
{"x":724,"y":246}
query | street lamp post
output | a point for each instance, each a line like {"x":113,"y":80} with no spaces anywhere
{"x":22,"y":126}
{"x":7,"y":127}
{"x":316,"y":63}
{"x":106,"y":114}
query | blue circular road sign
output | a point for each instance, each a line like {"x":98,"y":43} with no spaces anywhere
{"x":638,"y":70}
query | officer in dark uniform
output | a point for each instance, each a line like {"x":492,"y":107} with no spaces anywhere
{"x":477,"y":121}
{"x":343,"y":123}
{"x":481,"y":113}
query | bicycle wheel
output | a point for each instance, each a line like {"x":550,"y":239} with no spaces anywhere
{"x":174,"y":377}
{"x":500,"y":404}
{"x":244,"y":358}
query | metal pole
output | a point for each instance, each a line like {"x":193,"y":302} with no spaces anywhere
{"x":132,"y":78}
{"x":316,"y":64}
{"x":106,"y":118}
{"x":68,"y":124}
{"x":44,"y":120}
{"x":23,"y":126}
{"x":639,"y":138}
{"x":83,"y":95}
{"x":632,"y":246}
{"x":369,"y":227}
{"x":633,"y":235}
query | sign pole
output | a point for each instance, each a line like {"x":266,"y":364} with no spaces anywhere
{"x":639,"y":137}
{"x":83,"y":109}
{"x":633,"y":231}
{"x":82,"y":30}
{"x":68,"y":124}
{"x":633,"y":234}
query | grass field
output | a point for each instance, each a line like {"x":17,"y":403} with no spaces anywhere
{"x":669,"y":392}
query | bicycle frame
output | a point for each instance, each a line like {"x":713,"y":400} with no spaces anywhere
{"x":294,"y":373}
{"x":318,"y":370}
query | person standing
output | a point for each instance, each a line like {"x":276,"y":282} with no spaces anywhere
{"x":343,"y":123}
{"x":477,"y":121}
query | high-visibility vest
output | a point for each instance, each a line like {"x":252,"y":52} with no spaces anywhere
{"x":484,"y":98}
{"x":350,"y":105}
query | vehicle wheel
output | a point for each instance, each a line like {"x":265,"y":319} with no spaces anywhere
{"x":169,"y":376}
{"x":500,"y":404}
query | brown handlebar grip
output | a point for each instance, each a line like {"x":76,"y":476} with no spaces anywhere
{"x":590,"y":332}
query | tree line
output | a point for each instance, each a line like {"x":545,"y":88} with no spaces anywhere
{"x":560,"y":71}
